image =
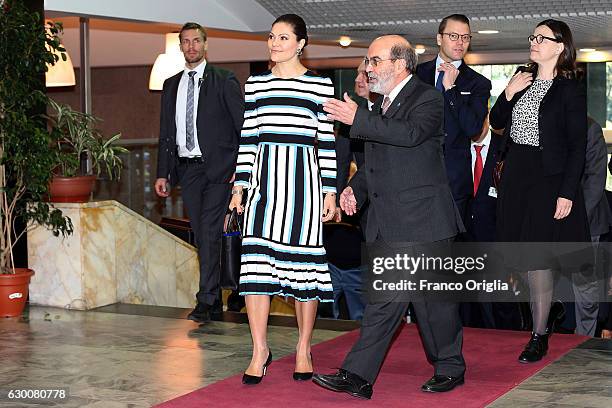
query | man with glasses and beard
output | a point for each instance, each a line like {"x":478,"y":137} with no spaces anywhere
{"x":409,"y":200}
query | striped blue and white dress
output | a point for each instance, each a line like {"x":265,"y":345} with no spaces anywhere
{"x":286,"y":178}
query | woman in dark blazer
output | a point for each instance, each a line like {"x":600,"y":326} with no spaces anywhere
{"x":543,"y":112}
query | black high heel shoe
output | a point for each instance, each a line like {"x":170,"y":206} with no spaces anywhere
{"x":303,"y":376}
{"x":254,"y":379}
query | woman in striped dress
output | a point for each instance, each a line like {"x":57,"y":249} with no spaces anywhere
{"x":291,"y":191}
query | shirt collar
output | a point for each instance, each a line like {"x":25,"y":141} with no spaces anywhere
{"x":398,"y":88}
{"x":485,"y":142}
{"x":199,"y":69}
{"x":440,"y":61}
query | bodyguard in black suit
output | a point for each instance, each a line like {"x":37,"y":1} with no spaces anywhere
{"x":201,"y":117}
{"x":466,"y":95}
{"x":405,"y":184}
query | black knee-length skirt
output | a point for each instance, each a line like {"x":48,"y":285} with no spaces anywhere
{"x":527,"y":201}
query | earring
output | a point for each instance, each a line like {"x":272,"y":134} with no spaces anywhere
{"x":299,"y":51}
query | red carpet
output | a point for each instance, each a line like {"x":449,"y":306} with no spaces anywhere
{"x":492,"y":370}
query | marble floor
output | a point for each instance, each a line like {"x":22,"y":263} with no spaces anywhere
{"x":112,"y":360}
{"x":124,"y":356}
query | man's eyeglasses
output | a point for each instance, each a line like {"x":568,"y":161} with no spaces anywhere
{"x":375,"y":61}
{"x":454,"y":37}
{"x":539,"y":38}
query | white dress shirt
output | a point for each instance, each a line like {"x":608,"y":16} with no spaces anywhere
{"x":181,"y":110}
{"x":395,"y":91}
{"x":440,"y":61}
{"x":486,"y":142}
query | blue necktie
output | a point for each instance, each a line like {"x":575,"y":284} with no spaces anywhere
{"x":439,"y":81}
{"x":190,"y":141}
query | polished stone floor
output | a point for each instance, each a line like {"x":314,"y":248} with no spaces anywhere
{"x":110,"y":360}
{"x":127,"y":356}
{"x":581,"y":378}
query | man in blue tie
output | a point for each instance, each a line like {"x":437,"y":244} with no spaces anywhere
{"x":466,"y":94}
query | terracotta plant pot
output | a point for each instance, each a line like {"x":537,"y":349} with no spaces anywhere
{"x":71,"y":189}
{"x":14,"y":292}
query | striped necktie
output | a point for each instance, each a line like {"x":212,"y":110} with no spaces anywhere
{"x":190,"y":142}
{"x":385,"y":104}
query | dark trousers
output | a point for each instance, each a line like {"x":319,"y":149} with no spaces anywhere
{"x":439,"y":326}
{"x":206,"y":205}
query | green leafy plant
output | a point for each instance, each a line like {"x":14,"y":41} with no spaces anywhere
{"x":26,"y":161}
{"x":76,"y":136}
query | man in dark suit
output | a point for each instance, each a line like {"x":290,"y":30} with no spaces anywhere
{"x":481,"y":227}
{"x":348,"y":150}
{"x":466,"y":95}
{"x":404,"y":181}
{"x":585,"y":285}
{"x":202,"y":111}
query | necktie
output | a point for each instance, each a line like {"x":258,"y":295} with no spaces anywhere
{"x":190,"y":142}
{"x":477,"y":168}
{"x":385,"y":105}
{"x":439,"y":81}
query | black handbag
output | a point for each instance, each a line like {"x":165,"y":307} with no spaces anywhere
{"x":231,"y":245}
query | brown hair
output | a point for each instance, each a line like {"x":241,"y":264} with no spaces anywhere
{"x":298,"y":24}
{"x":193,"y":26}
{"x":455,"y":17}
{"x":566,"y":63}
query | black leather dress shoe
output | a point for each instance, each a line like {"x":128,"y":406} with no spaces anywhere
{"x":535,"y":349}
{"x":441,"y":383}
{"x":345,"y":381}
{"x":203,"y":313}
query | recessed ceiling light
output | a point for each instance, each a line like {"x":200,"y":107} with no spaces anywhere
{"x":488,"y":31}
{"x":345,"y":41}
{"x":587,"y":49}
{"x":419,"y":49}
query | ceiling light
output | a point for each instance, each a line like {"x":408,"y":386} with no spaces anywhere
{"x":488,"y":31}
{"x":168,"y":63}
{"x":587,"y":50}
{"x":62,"y":72}
{"x":419,"y":49}
{"x":345,"y":41}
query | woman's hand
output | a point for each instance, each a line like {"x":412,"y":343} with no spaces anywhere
{"x":564,"y":206}
{"x":329,"y":207}
{"x":236,"y":201}
{"x":518,"y":82}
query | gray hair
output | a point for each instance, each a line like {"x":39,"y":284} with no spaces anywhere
{"x":407,"y":53}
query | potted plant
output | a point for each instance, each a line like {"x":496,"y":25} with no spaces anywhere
{"x":76,"y":138}
{"x":25,"y":158}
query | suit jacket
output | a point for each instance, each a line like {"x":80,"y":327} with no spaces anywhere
{"x":348,"y":150}
{"x":562,"y":123}
{"x":465,"y":108}
{"x":482,"y":209}
{"x":403,"y":178}
{"x":594,"y":180}
{"x":219,"y":122}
